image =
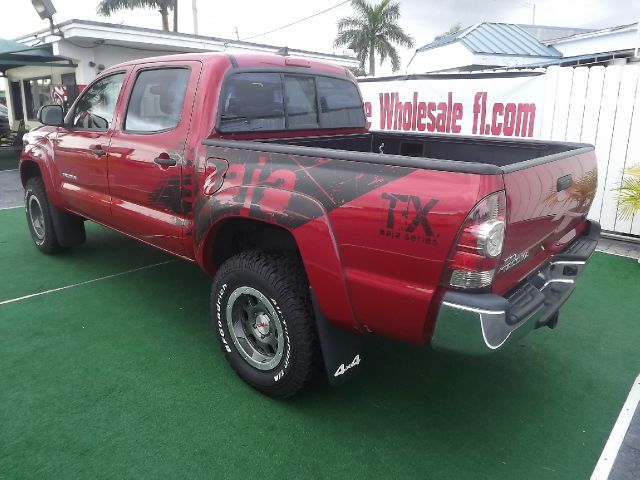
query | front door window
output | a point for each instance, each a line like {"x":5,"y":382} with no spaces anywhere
{"x":96,"y":107}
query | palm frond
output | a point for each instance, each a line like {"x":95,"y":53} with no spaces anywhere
{"x":629,"y":193}
{"x":387,"y":50}
{"x":350,"y":38}
{"x":350,"y":23}
{"x":629,"y":197}
{"x":107,"y":7}
{"x":362,"y":7}
{"x":395,"y":34}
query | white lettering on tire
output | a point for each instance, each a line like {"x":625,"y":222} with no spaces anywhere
{"x":278,"y":376}
{"x":219,"y":317}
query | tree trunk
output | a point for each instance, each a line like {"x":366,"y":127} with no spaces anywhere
{"x":372,"y":61}
{"x":165,"y":18}
{"x":175,"y":15}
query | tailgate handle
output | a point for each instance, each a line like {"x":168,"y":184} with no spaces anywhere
{"x":564,"y":182}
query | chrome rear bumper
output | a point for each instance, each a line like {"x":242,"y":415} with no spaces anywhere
{"x":482,"y":323}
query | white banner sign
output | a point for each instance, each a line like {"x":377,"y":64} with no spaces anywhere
{"x":485,"y":105}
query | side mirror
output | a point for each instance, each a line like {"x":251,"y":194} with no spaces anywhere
{"x":51,"y":115}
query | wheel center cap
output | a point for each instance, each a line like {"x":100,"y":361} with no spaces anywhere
{"x":262,"y":324}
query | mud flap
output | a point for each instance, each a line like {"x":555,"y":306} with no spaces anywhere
{"x":341,"y":349}
{"x":69,"y":228}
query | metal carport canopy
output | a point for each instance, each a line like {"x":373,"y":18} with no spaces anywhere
{"x":14,"y":54}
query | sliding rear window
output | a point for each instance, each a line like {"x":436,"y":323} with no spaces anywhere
{"x":279,"y":101}
{"x":340,"y":104}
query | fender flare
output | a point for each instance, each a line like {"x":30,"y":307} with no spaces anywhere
{"x":40,"y":154}
{"x":302,"y":216}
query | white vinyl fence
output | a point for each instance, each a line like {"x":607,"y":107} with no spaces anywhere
{"x":601,"y":106}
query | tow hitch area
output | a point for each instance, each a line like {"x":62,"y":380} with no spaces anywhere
{"x":481,"y":323}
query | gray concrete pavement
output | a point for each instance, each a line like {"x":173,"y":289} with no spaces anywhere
{"x":10,"y":189}
{"x":619,"y":247}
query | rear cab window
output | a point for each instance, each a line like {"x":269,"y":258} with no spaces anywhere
{"x":272,"y":101}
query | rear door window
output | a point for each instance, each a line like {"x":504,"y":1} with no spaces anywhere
{"x":156,"y":101}
{"x":253,"y":101}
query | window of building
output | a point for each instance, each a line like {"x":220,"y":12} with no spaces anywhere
{"x":95,"y":109}
{"x":156,"y":100}
{"x":36,"y":94}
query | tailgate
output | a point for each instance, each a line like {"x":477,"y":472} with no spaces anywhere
{"x":547,"y":201}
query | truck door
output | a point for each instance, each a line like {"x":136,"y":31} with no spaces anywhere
{"x":146,"y":157}
{"x":81,"y":147}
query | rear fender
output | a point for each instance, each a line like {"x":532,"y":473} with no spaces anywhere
{"x":304,"y":217}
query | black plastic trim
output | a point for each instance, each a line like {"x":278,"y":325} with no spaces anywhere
{"x":578,"y":149}
{"x":378,"y":158}
{"x":69,"y":228}
{"x":450,"y":76}
{"x":338,"y":346}
{"x":525,"y":299}
{"x":232,"y":59}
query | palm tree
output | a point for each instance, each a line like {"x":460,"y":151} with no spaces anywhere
{"x":373,"y":29}
{"x":107,"y":7}
{"x":452,"y":29}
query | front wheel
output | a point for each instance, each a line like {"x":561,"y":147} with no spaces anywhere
{"x":261,"y":311}
{"x":39,"y":219}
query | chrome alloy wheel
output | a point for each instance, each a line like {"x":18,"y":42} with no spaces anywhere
{"x":36,"y":217}
{"x":255,"y":328}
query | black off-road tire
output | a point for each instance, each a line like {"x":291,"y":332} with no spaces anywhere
{"x":42,"y":232}
{"x":281,"y":279}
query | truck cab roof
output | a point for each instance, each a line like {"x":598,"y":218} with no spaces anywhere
{"x":243,"y":60}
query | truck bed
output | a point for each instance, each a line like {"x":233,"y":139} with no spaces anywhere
{"x":549,"y":185}
{"x":437,"y":152}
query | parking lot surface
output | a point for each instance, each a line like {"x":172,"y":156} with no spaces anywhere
{"x":109,"y":367}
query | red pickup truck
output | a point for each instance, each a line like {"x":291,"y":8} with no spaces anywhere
{"x":260,"y":169}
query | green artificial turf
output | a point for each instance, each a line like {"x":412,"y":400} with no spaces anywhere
{"x":124,"y":378}
{"x":8,"y":160}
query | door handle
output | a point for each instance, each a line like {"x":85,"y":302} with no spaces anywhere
{"x":165,"y":161}
{"x":98,"y":151}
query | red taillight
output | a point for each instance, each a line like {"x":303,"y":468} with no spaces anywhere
{"x":474,"y":257}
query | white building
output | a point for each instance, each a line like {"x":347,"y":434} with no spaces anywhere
{"x":615,"y":44}
{"x":479,"y":47}
{"x":89,"y":47}
{"x":500,"y":45}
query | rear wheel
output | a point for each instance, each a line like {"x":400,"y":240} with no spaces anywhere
{"x":39,"y":216}
{"x":262,"y":314}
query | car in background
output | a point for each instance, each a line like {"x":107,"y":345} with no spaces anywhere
{"x":5,"y":128}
